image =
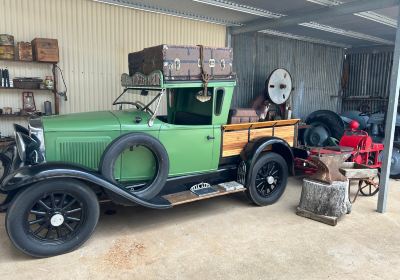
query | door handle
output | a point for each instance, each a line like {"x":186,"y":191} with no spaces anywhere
{"x":210,"y":137}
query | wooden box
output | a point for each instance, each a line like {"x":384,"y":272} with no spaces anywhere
{"x":23,"y":51}
{"x":7,"y":52}
{"x":45,"y":50}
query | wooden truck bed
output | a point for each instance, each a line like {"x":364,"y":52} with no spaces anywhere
{"x":236,"y":136}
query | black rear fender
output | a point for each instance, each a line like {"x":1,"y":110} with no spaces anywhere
{"x":255,"y":148}
{"x":28,"y":175}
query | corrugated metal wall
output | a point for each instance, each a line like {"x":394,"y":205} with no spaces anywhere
{"x":94,"y":41}
{"x":368,"y":81}
{"x":315,"y":69}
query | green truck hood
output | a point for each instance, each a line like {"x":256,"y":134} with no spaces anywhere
{"x":99,"y":121}
{"x":91,"y":121}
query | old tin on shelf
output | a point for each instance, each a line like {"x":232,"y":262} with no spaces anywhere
{"x":6,"y":40}
{"x":7,"y":52}
{"x":23,"y":51}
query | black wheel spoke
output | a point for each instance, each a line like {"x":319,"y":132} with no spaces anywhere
{"x":68,"y":227}
{"x":44,"y":204}
{"x":73,"y":219}
{"x":37,"y":221}
{"x":58,"y":231}
{"x":49,"y":228}
{"x":39,"y":229}
{"x":62,"y":200}
{"x":259,"y":185}
{"x":73,"y":211}
{"x":69,"y":204}
{"x":38,"y":213}
{"x":53,"y":201}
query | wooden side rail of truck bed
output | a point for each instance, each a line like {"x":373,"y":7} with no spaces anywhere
{"x":236,"y":136}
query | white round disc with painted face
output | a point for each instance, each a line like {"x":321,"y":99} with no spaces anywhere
{"x":279,"y":86}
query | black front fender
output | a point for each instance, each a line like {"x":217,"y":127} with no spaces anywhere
{"x":254,"y":149}
{"x":28,"y":175}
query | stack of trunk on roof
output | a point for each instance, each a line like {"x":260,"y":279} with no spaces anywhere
{"x":183,"y":62}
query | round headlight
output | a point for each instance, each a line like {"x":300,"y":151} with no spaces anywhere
{"x":21,"y":147}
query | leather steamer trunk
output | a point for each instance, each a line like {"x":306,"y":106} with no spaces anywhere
{"x":135,"y":62}
{"x":183,"y":62}
{"x":243,"y":115}
{"x":45,"y":50}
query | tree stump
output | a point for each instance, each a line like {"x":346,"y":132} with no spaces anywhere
{"x":324,"y":202}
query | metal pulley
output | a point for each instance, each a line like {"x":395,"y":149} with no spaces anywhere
{"x":279,"y":86}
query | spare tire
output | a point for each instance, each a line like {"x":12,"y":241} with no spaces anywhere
{"x":126,"y":141}
{"x":324,"y":125}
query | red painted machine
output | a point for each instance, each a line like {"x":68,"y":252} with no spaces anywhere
{"x":362,"y":149}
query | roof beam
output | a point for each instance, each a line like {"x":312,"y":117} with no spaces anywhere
{"x":323,"y":13}
{"x":367,"y":15}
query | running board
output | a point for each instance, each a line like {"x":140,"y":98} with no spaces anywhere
{"x":188,"y":196}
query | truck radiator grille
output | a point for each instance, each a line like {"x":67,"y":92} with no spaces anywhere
{"x":87,"y":152}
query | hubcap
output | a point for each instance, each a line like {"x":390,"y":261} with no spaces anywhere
{"x":57,"y":220}
{"x":270,"y":180}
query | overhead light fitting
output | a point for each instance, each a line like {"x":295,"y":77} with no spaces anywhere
{"x":240,"y":8}
{"x":367,"y":15}
{"x":303,"y":38}
{"x":347,"y":33}
{"x":167,"y":11}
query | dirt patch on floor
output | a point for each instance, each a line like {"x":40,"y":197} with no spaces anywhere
{"x":126,"y":254}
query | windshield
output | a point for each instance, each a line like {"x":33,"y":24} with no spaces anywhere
{"x":140,"y":99}
{"x":144,"y":100}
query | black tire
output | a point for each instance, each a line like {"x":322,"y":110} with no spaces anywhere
{"x":259,"y":190}
{"x":5,"y":166}
{"x":328,"y":121}
{"x":53,"y":239}
{"x":122,"y":143}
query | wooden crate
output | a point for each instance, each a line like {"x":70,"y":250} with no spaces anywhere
{"x":236,"y":136}
{"x":45,"y":50}
{"x":23,"y":51}
{"x":7,"y":52}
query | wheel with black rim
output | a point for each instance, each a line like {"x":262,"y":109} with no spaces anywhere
{"x":369,"y":187}
{"x":52,"y":217}
{"x":268,"y":179}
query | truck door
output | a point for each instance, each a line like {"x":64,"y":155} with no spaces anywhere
{"x":188,"y":135}
{"x":190,"y":147}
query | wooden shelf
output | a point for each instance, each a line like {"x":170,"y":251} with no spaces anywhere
{"x":13,"y":116}
{"x":22,"y":61}
{"x":26,"y":89}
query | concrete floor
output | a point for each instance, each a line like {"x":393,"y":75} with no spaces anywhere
{"x":226,"y":238}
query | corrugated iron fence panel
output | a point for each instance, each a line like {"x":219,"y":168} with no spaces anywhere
{"x":94,"y":41}
{"x":315,"y":69}
{"x":368,"y":81}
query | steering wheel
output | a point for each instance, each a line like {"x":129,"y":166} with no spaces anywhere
{"x":139,"y":105}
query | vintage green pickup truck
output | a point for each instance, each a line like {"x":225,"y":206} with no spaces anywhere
{"x":61,"y":166}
